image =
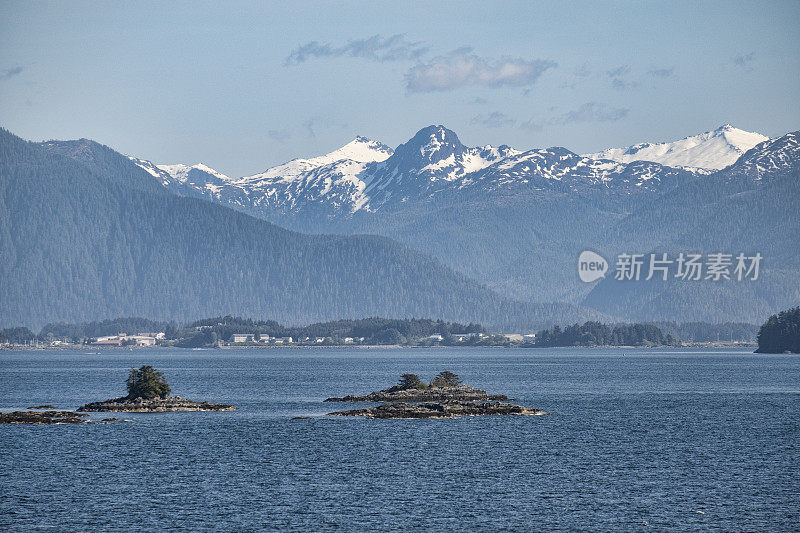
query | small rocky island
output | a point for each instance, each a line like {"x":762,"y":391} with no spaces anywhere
{"x":148,"y":392}
{"x":43,"y":417}
{"x":444,"y":397}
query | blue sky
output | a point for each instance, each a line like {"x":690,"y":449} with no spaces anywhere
{"x":243,"y":86}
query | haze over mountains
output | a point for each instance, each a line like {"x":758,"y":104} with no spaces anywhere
{"x":517,"y":220}
{"x":487,"y":233}
{"x":86,"y":234}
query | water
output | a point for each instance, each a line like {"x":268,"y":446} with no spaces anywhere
{"x":656,"y":440}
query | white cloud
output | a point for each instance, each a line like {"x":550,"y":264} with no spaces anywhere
{"x":462,"y":68}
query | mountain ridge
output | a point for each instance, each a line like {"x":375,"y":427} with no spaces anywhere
{"x":711,"y":150}
{"x":433,"y":160}
{"x":85,"y":233}
{"x":516,"y":221}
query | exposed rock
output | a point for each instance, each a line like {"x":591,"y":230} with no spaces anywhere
{"x":155,"y":405}
{"x":432,"y":394}
{"x":46,"y":417}
{"x":46,"y":406}
{"x":444,"y":409}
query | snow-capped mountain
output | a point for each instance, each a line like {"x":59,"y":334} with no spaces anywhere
{"x":329,"y":182}
{"x":359,"y":150}
{"x":774,"y":157}
{"x":432,"y":160}
{"x":331,"y":177}
{"x":516,"y":220}
{"x":366,"y":176}
{"x":188,"y":180}
{"x":710,"y":150}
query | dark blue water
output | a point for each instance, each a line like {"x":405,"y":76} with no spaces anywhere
{"x":656,"y":440}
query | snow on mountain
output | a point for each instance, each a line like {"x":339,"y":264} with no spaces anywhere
{"x":178,"y":173}
{"x":189,"y":180}
{"x":331,"y":179}
{"x":367,"y":176}
{"x":710,"y":150}
{"x":360,"y":150}
{"x":181,"y":172}
{"x":282,"y":186}
{"x":774,"y":157}
{"x":558,"y":169}
{"x":432,"y":159}
{"x":164,"y":177}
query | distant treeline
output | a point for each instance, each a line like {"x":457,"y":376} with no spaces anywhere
{"x":780,"y":333}
{"x":209,"y":331}
{"x":374,"y":330}
{"x":599,"y":334}
{"x":113,"y":326}
{"x":80,"y":332}
{"x":706,"y":332}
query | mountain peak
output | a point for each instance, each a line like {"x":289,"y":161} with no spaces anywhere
{"x":361,"y":149}
{"x":436,"y":134}
{"x":430,"y":145}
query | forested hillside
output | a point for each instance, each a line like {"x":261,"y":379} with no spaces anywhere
{"x":84,"y":235}
{"x":780,"y":333}
{"x":516,"y":221}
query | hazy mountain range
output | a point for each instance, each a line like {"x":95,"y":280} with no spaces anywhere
{"x":87,"y":234}
{"x":514,"y":221}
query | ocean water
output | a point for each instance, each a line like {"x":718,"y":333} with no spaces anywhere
{"x":653,"y":440}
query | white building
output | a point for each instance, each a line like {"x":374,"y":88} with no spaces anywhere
{"x":242,"y":337}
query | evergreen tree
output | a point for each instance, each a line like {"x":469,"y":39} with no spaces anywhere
{"x":446,"y":379}
{"x":147,"y":383}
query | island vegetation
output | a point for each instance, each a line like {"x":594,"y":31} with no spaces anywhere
{"x":444,"y":397}
{"x":148,"y":392}
{"x":146,"y":382}
{"x":780,"y":333}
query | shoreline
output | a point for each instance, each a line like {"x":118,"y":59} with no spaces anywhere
{"x":103,"y":348}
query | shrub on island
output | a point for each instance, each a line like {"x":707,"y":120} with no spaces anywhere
{"x":147,"y":383}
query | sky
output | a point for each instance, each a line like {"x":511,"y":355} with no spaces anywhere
{"x":243,"y":86}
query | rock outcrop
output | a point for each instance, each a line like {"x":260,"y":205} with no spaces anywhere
{"x":443,"y":409}
{"x":154,"y":405}
{"x":44,"y":417}
{"x":431,"y":394}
